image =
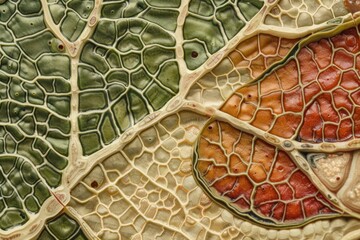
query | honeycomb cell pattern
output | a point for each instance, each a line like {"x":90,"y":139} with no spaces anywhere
{"x":179,"y":119}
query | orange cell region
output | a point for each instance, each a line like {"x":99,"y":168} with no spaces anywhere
{"x":254,"y":176}
{"x":312,"y":98}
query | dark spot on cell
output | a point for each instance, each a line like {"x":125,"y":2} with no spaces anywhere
{"x":194,"y":54}
{"x":210,"y":127}
{"x":61,"y":47}
{"x":249,"y":96}
{"x":337,"y":178}
{"x":94,"y":184}
{"x":22,"y":215}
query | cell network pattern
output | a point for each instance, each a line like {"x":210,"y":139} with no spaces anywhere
{"x":179,"y":119}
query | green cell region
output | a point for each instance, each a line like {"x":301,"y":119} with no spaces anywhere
{"x":34,"y":101}
{"x":22,"y":191}
{"x":72,"y":16}
{"x":210,"y":24}
{"x":161,"y":13}
{"x":127,"y":70}
{"x":62,"y":227}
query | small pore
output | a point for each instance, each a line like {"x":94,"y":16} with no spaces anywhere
{"x":210,"y":127}
{"x":94,"y":184}
{"x":194,"y":54}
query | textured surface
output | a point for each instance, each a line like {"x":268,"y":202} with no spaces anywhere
{"x":179,"y":119}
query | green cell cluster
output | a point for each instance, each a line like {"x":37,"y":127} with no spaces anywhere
{"x":62,"y":227}
{"x":127,"y":70}
{"x":22,"y":191}
{"x":71,"y":15}
{"x":210,"y":24}
{"x":35,"y":109}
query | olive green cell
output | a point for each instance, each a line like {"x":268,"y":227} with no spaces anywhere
{"x":121,"y":114}
{"x":62,"y":227}
{"x":249,"y":8}
{"x":45,"y":235}
{"x":62,"y":86}
{"x":129,"y":42}
{"x":131,"y":60}
{"x":204,"y":30}
{"x":118,"y":76}
{"x":88,"y":56}
{"x":11,"y":51}
{"x":37,"y":45}
{"x":41,"y":145}
{"x":156,"y":35}
{"x":140,"y":78}
{"x":59,"y":123}
{"x":113,"y":10}
{"x":59,"y":104}
{"x":41,"y":115}
{"x":169,"y":76}
{"x":105,"y":33}
{"x":29,"y":6}
{"x":227,"y":15}
{"x":10,"y":144}
{"x":82,"y":7}
{"x":26,"y":25}
{"x":27,"y":125}
{"x":7,"y":10}
{"x":155,"y":56}
{"x":7,"y":163}
{"x":90,"y":143}
{"x":92,"y":101}
{"x":7,"y":191}
{"x":165,"y":18}
{"x":157,"y":96}
{"x":41,"y":192}
{"x":107,"y":129}
{"x":56,"y":160}
{"x":41,"y":129}
{"x":18,"y":111}
{"x":12,"y":200}
{"x":72,"y":26}
{"x":8,"y":65}
{"x":34,"y":93}
{"x":165,"y":4}
{"x":89,"y":121}
{"x":115,"y":91}
{"x":113,"y":59}
{"x":195,"y":54}
{"x":47,"y":84}
{"x":12,"y":218}
{"x":16,"y":91}
{"x":57,"y":10}
{"x":31,"y":204}
{"x":25,"y":149}
{"x":54,"y":65}
{"x":2,"y":146}
{"x":15,"y":133}
{"x":89,"y":79}
{"x":3,"y":91}
{"x":138,"y":106}
{"x":5,"y":35}
{"x":4,"y":118}
{"x":59,"y":142}
{"x":29,"y":174}
{"x":27,"y":69}
{"x":52,"y":177}
{"x":135,"y":26}
{"x":201,"y":7}
{"x":16,"y":180}
{"x":134,"y":7}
